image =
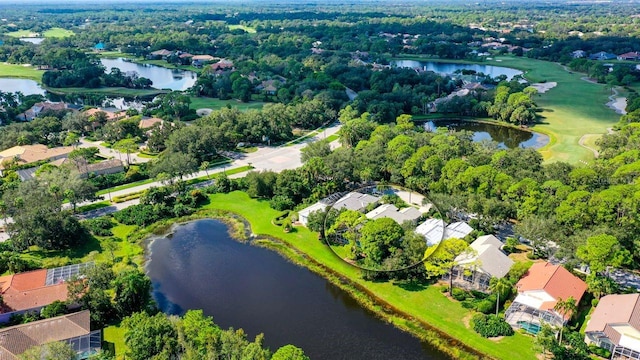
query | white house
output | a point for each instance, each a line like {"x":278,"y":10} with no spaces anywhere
{"x":391,"y":211}
{"x":432,"y":230}
{"x":615,"y":326}
{"x":457,"y":230}
{"x":303,"y":215}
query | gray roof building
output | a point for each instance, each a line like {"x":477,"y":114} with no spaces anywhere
{"x":487,"y":257}
{"x":355,"y":201}
{"x":392,"y":212}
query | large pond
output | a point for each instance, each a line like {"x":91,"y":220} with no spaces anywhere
{"x":449,"y":68}
{"x":25,"y":86}
{"x":505,"y":136}
{"x":242,"y":286}
{"x":161,"y":77}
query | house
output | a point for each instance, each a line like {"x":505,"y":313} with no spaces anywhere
{"x":162,"y":53}
{"x":538,"y":293}
{"x":578,"y":54}
{"x":223,"y":65}
{"x":199,"y":60}
{"x":602,"y":56}
{"x":112,"y":166}
{"x":27,"y":154}
{"x":355,"y":201}
{"x":73,"y":329}
{"x":410,"y":214}
{"x":99,"y":47}
{"x":185,"y":55}
{"x":615,"y":325}
{"x":33,"y":290}
{"x":432,"y":230}
{"x":40,"y":107}
{"x":632,"y":56}
{"x":475,"y":269}
{"x":303,"y":215}
{"x":457,"y":230}
{"x":269,"y":86}
{"x":148,"y":123}
{"x":111,"y":116}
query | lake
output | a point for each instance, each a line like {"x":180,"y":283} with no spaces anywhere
{"x":505,"y":136}
{"x":450,"y":68}
{"x":162,"y":78}
{"x":199,"y":266}
{"x":33,"y":40}
{"x":25,"y":86}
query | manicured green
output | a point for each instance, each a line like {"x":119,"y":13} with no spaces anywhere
{"x":114,"y":334}
{"x":108,"y":91}
{"x":147,"y":155}
{"x":216,"y":104}
{"x":573,"y":108}
{"x":125,"y":186}
{"x":249,"y":29}
{"x":58,"y":33}
{"x":94,"y":206}
{"x":426,"y":304}
{"x":115,"y":55}
{"x":20,"y":71}
{"x":333,"y":137}
{"x":22,"y":33}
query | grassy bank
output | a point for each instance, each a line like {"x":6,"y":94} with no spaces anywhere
{"x":20,"y":71}
{"x":424,"y":304}
{"x":108,"y":91}
{"x":216,"y":104}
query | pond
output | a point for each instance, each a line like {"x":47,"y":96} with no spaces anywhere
{"x":450,"y":68}
{"x":161,"y":77}
{"x":25,"y":86}
{"x":33,"y":40}
{"x":200,"y":266}
{"x":505,"y":136}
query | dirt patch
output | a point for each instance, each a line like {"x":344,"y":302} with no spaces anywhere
{"x":497,"y":338}
{"x":467,"y":320}
{"x":544,"y":87}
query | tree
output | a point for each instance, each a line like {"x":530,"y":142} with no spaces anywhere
{"x":601,"y":285}
{"x":127,"y":146}
{"x":380,"y":239}
{"x":442,"y":260}
{"x":204,"y":166}
{"x":150,"y":337}
{"x":499,"y":287}
{"x":174,"y":164}
{"x":54,"y":309}
{"x":545,"y":339}
{"x":315,"y":149}
{"x":566,"y":308}
{"x":51,"y":351}
{"x":132,"y":292}
{"x":289,"y":352}
{"x":602,"y":251}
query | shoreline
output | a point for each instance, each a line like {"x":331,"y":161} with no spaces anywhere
{"x":240,"y":230}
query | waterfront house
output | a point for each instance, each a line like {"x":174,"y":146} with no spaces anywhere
{"x":410,"y":214}
{"x":615,"y":326}
{"x":538,"y":293}
{"x":73,"y":329}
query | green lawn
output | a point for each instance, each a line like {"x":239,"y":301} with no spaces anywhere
{"x":94,"y":206}
{"x":333,"y":137}
{"x":425,"y":304}
{"x":571,"y":109}
{"x":114,"y":337}
{"x":108,"y":91}
{"x":22,"y":33}
{"x":249,"y":29}
{"x":216,"y":104}
{"x":58,"y":33}
{"x":20,"y":71}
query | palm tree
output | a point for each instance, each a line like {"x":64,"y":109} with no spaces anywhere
{"x":205,"y":167}
{"x":565,"y":307}
{"x":499,"y":286}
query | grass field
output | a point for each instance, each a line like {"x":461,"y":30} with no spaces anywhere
{"x":570,"y":110}
{"x":249,"y":29}
{"x":20,"y":71}
{"x":51,"y":33}
{"x":426,"y":304}
{"x":108,"y":91}
{"x":216,"y":104}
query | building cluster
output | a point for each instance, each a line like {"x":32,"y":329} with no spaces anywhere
{"x":603,"y":55}
{"x":30,"y":292}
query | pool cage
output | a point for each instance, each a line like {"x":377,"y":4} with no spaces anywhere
{"x":87,"y":345}
{"x":521,"y":316}
{"x":62,"y":274}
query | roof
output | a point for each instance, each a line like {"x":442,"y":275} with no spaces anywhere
{"x":555,"y":280}
{"x":355,"y":201}
{"x":457,"y":230}
{"x":432,"y":230}
{"x":319,"y":206}
{"x":104,"y":165}
{"x":161,"y":52}
{"x":185,"y":55}
{"x":488,"y":257}
{"x":17,"y":339}
{"x":203,"y":57}
{"x":110,"y":114}
{"x":615,"y":309}
{"x":222,"y":64}
{"x":148,"y":123}
{"x":31,"y":153}
{"x":392,"y":212}
{"x":99,"y":46}
{"x":27,"y":174}
{"x":630,"y":55}
{"x":29,"y":290}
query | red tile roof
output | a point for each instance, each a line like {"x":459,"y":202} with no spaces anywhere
{"x":554,"y":280}
{"x":28,"y":290}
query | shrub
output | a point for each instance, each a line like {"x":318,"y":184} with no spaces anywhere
{"x":141,"y":215}
{"x":486,"y":306}
{"x":599,"y":351}
{"x":491,"y":326}
{"x":100,"y":226}
{"x":459,"y":294}
{"x":281,"y":202}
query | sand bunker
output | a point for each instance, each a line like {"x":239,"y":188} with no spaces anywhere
{"x":544,"y":87}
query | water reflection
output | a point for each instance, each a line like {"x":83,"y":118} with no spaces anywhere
{"x":505,"y":136}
